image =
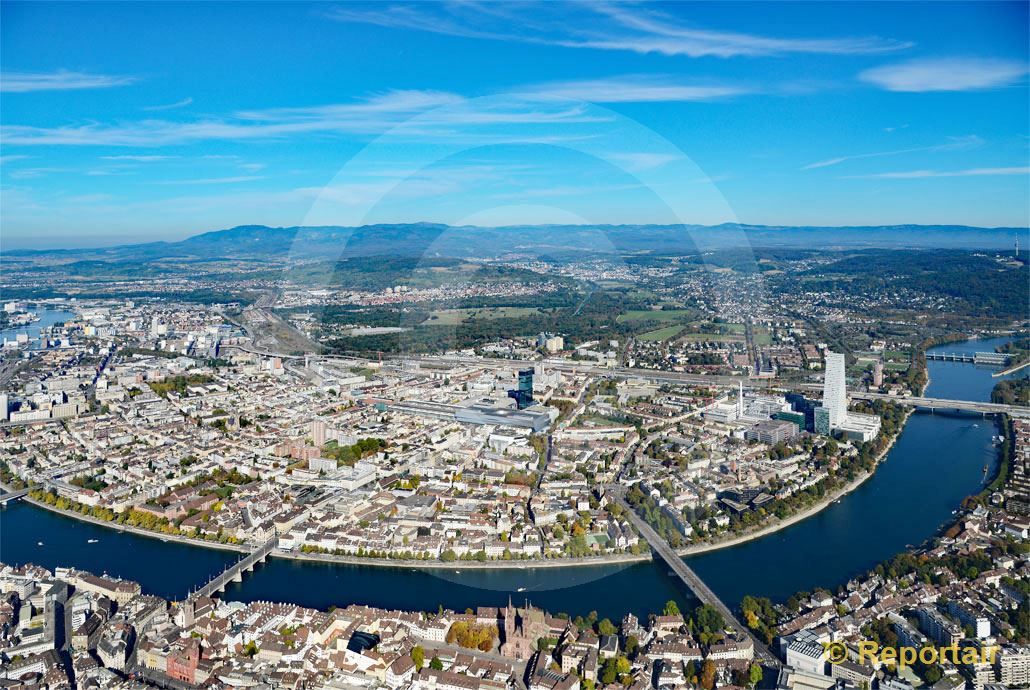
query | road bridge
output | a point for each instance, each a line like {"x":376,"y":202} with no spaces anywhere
{"x":13,"y":496}
{"x":944,"y":404}
{"x":234,"y":573}
{"x":693,"y":582}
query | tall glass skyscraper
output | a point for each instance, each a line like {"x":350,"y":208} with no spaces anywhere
{"x":524,"y":393}
{"x":835,"y":392}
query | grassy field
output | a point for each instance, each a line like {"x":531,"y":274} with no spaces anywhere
{"x":452,"y":317}
{"x":715,"y":337}
{"x":897,"y":356}
{"x":650,"y":315}
{"x":661,"y":333}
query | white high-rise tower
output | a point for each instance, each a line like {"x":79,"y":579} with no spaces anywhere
{"x":835,"y":392}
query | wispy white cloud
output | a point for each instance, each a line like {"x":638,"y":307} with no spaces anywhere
{"x":602,"y":26}
{"x":11,"y":158}
{"x":651,"y":31}
{"x":917,"y":174}
{"x":566,"y":191}
{"x":170,"y":106}
{"x":33,"y":173}
{"x":139,"y":159}
{"x":440,"y":115}
{"x":108,"y":172}
{"x":639,"y":161}
{"x":954,"y":144}
{"x":90,"y":198}
{"x":214,"y":180}
{"x":21,"y":82}
{"x":946,"y":74}
{"x":633,"y":89}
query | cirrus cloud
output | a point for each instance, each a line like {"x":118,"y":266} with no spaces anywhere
{"x":946,"y":74}
{"x":23,"y":82}
{"x":599,"y":26}
{"x":920,"y":174}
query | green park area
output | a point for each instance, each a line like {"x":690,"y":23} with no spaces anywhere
{"x":654,"y":315}
{"x":661,"y":333}
{"x":453,"y":317}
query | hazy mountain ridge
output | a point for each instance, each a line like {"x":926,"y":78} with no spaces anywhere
{"x":418,"y":239}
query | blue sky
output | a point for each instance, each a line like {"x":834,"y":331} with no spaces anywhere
{"x":144,"y":121}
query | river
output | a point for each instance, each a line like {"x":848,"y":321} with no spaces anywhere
{"x":47,"y":318}
{"x":937,"y":461}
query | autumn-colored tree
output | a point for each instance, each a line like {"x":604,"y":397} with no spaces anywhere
{"x":708,"y":674}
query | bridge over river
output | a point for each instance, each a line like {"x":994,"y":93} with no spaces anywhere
{"x":13,"y":495}
{"x":234,"y":573}
{"x":992,"y":358}
{"x":943,"y":404}
{"x":693,"y":582}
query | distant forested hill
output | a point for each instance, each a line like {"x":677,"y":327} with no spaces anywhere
{"x":554,"y":241}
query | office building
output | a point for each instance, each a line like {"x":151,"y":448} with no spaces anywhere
{"x":803,"y":406}
{"x":723,"y":412}
{"x":821,"y":420}
{"x":523,"y":394}
{"x":772,"y":431}
{"x":833,"y":416}
{"x":859,"y":427}
{"x":835,"y":392}
{"x":526,"y":381}
{"x":795,"y":418}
